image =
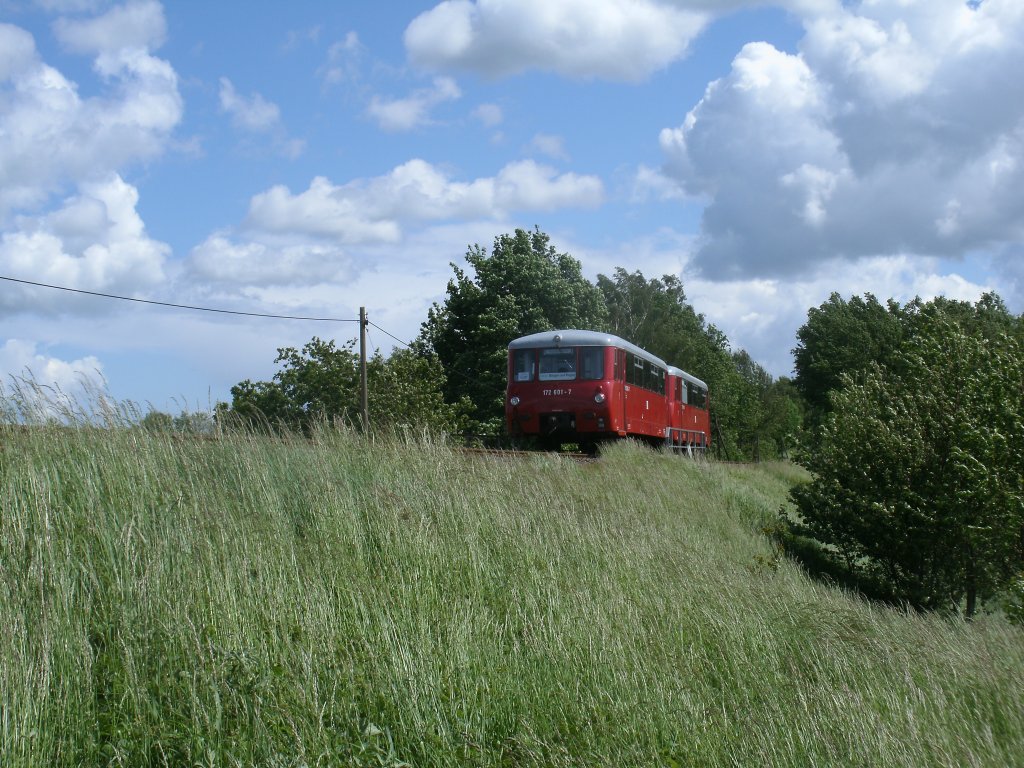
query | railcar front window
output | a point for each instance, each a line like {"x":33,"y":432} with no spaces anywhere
{"x":592,"y":362}
{"x":523,"y":364}
{"x":558,"y":364}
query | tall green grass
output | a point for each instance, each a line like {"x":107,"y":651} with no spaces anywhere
{"x":289,"y":602}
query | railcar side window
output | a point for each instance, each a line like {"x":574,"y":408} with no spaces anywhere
{"x":558,"y":364}
{"x":592,"y":362}
{"x":654,"y":378}
{"x":635,"y":371}
{"x":703,"y":395}
{"x":696,"y":396}
{"x":523,"y":364}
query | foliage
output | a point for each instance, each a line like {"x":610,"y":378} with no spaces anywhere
{"x":842,"y":337}
{"x":321,"y":383}
{"x":186,"y":422}
{"x":770,"y":413}
{"x":406,"y":392}
{"x":522,"y":286}
{"x":318,"y":383}
{"x":919,"y":472}
{"x":655,"y":315}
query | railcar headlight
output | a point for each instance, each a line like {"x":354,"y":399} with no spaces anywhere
{"x":513,"y":401}
{"x":599,"y":398}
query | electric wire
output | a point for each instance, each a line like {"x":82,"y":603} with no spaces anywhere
{"x":181,"y":306}
{"x":404,"y":344}
{"x":195,"y":308}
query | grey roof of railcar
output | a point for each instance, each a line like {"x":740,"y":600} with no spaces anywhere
{"x":576,"y":338}
{"x":679,"y":372}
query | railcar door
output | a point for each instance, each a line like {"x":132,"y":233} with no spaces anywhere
{"x":621,"y":414}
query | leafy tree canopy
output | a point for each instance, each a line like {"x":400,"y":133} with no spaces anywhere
{"x":919,"y":475}
{"x":842,"y":337}
{"x":320,"y":382}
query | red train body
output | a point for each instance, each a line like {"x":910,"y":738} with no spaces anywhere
{"x":584,"y":387}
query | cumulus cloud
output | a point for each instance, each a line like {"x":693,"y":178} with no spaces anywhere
{"x":898,"y":129}
{"x":254,"y":113}
{"x":343,"y":58}
{"x":414,"y":110}
{"x":762,"y":315}
{"x":373,"y":210}
{"x":264,"y":262}
{"x":52,"y":136}
{"x":304,"y":238}
{"x":21,"y":360}
{"x":549,"y":144}
{"x":490,"y":115}
{"x":95,"y":241}
{"x":614,"y":39}
{"x":135,"y":25}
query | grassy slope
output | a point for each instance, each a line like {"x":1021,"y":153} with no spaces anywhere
{"x":286,"y":603}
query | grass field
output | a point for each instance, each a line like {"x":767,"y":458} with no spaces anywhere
{"x":248,"y":601}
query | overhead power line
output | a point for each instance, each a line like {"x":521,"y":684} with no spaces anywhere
{"x":403,"y":343}
{"x":183,"y":306}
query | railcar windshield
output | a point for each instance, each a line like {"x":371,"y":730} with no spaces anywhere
{"x":558,"y":364}
{"x":524,"y":364}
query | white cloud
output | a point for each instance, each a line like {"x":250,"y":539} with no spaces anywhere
{"x":69,"y":6}
{"x":373,"y":210}
{"x":489,"y":114}
{"x":527,"y":185}
{"x":94,"y":241}
{"x":53,"y":136}
{"x":253,"y":113}
{"x":314,"y":236}
{"x":550,"y":145}
{"x":614,"y":39}
{"x":897,"y":130}
{"x":22,"y":360}
{"x":413,"y":111}
{"x":254,"y":263}
{"x":342,"y":60}
{"x":762,"y":315}
{"x":135,"y":25}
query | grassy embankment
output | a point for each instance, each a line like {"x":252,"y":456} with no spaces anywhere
{"x":291,"y":603}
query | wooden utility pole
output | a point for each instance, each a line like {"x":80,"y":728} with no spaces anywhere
{"x":364,"y":397}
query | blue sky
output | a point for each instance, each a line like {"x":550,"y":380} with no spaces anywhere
{"x":309,"y":158}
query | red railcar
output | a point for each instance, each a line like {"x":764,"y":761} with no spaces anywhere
{"x":584,"y":387}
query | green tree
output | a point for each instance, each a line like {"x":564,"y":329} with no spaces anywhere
{"x":522,"y":286}
{"x":919,"y":474}
{"x":842,"y":337}
{"x":784,"y":409}
{"x":405,"y":392}
{"x":320,"y":382}
{"x":157,"y":421}
{"x":656,"y":315}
